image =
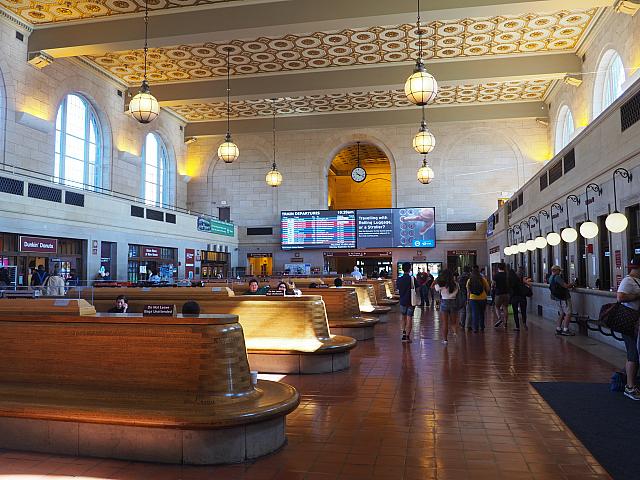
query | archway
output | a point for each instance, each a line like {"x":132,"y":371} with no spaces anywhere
{"x":372,"y":192}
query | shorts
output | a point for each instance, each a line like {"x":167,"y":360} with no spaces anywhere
{"x":449,"y":305}
{"x":501,"y":300}
{"x":565,"y":307}
{"x":407,"y":310}
{"x":631,"y":345}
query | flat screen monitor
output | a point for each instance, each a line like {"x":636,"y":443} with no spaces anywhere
{"x":318,"y":229}
{"x":410,"y":227}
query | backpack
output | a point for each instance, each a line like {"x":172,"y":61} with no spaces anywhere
{"x":476,"y":287}
{"x":618,"y":381}
{"x":557,"y":291}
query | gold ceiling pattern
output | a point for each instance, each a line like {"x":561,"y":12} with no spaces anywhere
{"x":559,"y":31}
{"x":361,"y":101}
{"x":40,"y":12}
{"x":347,"y":158}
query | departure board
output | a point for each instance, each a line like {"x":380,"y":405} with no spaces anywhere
{"x":318,"y":229}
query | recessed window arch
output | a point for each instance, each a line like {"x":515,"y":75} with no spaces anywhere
{"x":155,"y":163}
{"x":609,"y":80}
{"x":565,"y":128}
{"x":78,"y":146}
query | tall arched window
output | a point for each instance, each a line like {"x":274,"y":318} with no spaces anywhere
{"x":564,"y":128}
{"x":154,"y":170}
{"x":78,"y":144}
{"x":609,"y":80}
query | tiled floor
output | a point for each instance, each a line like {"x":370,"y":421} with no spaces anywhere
{"x":405,"y":411}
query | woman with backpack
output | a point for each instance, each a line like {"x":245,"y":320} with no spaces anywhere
{"x":477,"y":290}
{"x":448,"y":289}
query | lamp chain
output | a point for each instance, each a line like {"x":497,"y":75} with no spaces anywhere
{"x":228,"y":91}
{"x":419,"y":31}
{"x":274,"y":135}
{"x":146,"y":35}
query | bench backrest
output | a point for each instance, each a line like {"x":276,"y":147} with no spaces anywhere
{"x":341,"y":303}
{"x":194,"y":359}
{"x":45,"y":306}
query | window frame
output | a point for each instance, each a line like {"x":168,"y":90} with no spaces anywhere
{"x":162,"y":177}
{"x":603,"y":94}
{"x":60,"y":145}
{"x":564,"y":134}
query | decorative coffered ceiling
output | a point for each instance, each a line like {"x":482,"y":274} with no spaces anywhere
{"x":363,"y":101}
{"x":472,"y":38}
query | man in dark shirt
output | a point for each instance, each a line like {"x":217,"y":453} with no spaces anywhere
{"x":501,"y":300}
{"x":405,"y":285}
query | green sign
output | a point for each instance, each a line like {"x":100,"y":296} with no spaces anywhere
{"x":216,"y":226}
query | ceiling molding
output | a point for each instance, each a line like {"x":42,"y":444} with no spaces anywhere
{"x":189,"y":27}
{"x":458,"y":113}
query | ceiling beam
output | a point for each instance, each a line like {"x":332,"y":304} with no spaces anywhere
{"x":171,"y":27}
{"x":372,"y":118}
{"x":366,"y":78}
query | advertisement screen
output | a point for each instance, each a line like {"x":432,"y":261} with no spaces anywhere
{"x":318,"y":229}
{"x":411,"y":227}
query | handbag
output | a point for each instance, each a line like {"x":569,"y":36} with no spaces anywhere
{"x":415,"y":298}
{"x":525,"y":290}
{"x":619,"y":318}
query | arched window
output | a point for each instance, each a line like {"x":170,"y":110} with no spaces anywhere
{"x":609,"y":80}
{"x":78,"y":144}
{"x":154,"y":170}
{"x":564,"y":128}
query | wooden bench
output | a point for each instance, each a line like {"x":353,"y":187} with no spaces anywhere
{"x":367,"y":299}
{"x":380,"y":289}
{"x":282,"y":334}
{"x":160,"y":389}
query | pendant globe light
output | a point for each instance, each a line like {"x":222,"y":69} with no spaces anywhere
{"x":569,"y":234}
{"x":617,"y":222}
{"x":425,"y":173}
{"x":228,"y":151}
{"x":424,"y":142}
{"x":144,"y":107}
{"x":420,"y":88}
{"x":274,"y":177}
{"x":553,"y":238}
{"x":590,"y":229}
{"x":541,"y":242}
{"x":531,"y":244}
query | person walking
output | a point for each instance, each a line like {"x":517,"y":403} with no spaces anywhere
{"x":448,"y":289}
{"x":465,"y":315}
{"x":406,"y":284}
{"x":54,"y":284}
{"x":477,"y":288}
{"x":520,"y":289}
{"x":421,"y":278}
{"x":501,"y":296}
{"x":39,"y":277}
{"x":561,"y":295}
{"x":629,"y":295}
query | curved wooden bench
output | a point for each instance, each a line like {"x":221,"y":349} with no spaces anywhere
{"x":162,"y":389}
{"x":343,"y":312}
{"x":367,"y":299}
{"x":380,"y":290}
{"x":282,"y":334}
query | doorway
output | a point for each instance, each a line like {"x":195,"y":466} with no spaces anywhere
{"x":260,"y":264}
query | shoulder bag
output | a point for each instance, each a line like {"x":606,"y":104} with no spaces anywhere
{"x":619,"y":318}
{"x":415,"y":298}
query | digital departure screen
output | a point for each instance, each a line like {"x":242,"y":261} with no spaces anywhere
{"x":318,"y":229}
{"x":397,"y":228}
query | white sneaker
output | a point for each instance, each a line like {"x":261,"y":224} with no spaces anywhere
{"x":444,"y":342}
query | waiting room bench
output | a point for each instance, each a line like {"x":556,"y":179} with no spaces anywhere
{"x":380,"y":289}
{"x":282,"y":334}
{"x":160,"y":389}
{"x":367,"y":299}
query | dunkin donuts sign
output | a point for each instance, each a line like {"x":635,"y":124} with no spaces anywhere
{"x":38,"y":244}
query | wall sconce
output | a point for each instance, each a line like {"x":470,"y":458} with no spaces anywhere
{"x":531,"y":243}
{"x":186,"y":178}
{"x":616,"y":222}
{"x":190,"y":140}
{"x":569,"y":234}
{"x":573,"y":79}
{"x":541,"y":242}
{"x":629,"y":7}
{"x":36,"y":123}
{"x":553,"y":238}
{"x":40,"y":60}
{"x":590,"y":229}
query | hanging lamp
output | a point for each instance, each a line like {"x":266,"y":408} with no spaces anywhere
{"x":144,"y":107}
{"x":590,"y":229}
{"x":541,"y":242}
{"x":420,"y":88}
{"x":617,"y":222}
{"x":554,"y":238}
{"x":274,"y":177}
{"x":228,"y":151}
{"x":425,"y":172}
{"x":424,"y":142}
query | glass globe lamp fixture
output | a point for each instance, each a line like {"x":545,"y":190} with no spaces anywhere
{"x":228,"y":151}
{"x":553,"y":239}
{"x":541,"y":242}
{"x":531,"y":245}
{"x":424,"y":141}
{"x":144,"y":107}
{"x":421,"y":88}
{"x":569,"y":234}
{"x":589,"y":229}
{"x":616,"y":222}
{"x":522,"y":247}
{"x":507,"y":251}
{"x":274,"y":177}
{"x":425,"y":173}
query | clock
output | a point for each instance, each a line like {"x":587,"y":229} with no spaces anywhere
{"x":358,"y":174}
